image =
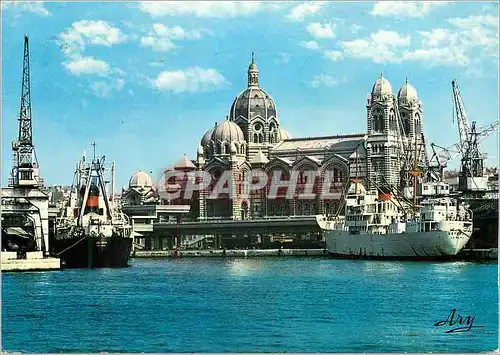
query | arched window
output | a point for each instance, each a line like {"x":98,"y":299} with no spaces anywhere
{"x":255,"y":138}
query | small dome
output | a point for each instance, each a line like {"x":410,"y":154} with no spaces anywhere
{"x":205,"y":141}
{"x":284,"y":134}
{"x":407,"y":92}
{"x":382,"y":87}
{"x":140,"y":179}
{"x":227,"y":131}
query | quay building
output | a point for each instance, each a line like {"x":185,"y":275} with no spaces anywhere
{"x":253,"y":136}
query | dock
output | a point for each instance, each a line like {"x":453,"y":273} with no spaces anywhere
{"x":34,"y":261}
{"x":478,"y":254}
{"x":239,"y":253}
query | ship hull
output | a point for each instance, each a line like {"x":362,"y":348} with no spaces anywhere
{"x":432,"y":245}
{"x":93,"y":252}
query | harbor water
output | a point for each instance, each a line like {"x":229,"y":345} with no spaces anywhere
{"x":252,"y":305}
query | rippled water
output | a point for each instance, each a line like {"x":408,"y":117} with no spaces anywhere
{"x":251,"y":305}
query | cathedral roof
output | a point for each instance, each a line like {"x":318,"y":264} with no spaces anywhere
{"x":284,"y":134}
{"x":342,"y":145}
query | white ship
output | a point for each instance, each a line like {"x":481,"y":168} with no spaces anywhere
{"x":379,"y":226}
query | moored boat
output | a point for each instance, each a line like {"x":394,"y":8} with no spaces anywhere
{"x":93,"y":232}
{"x":379,"y":226}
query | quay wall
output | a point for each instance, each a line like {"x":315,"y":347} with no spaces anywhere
{"x":465,"y":255}
{"x":232,"y":253}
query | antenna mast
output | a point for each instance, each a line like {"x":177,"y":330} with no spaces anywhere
{"x":25,"y":171}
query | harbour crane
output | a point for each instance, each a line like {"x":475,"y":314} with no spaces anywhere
{"x":471,"y":175}
{"x":25,"y":171}
{"x":23,"y":199}
{"x":442,"y":155}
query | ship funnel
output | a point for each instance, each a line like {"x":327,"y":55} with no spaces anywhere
{"x":92,"y":204}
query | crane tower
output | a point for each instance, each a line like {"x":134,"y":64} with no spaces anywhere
{"x":25,"y":171}
{"x":472,"y":176}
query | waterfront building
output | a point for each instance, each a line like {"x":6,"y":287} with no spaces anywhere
{"x":253,"y":136}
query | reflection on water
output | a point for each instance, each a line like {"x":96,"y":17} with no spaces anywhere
{"x":245,"y":267}
{"x":450,"y":268}
{"x":383,"y":267}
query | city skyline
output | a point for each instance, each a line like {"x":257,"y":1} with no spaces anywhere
{"x":189,"y":61}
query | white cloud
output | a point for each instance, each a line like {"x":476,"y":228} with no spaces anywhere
{"x":438,"y":56}
{"x":215,"y":9}
{"x":405,"y":8}
{"x":472,"y":40}
{"x":324,"y":80}
{"x":37,"y":7}
{"x":318,"y":30}
{"x":310,"y":45}
{"x":284,"y":58}
{"x":333,"y":55}
{"x":191,"y":80}
{"x":468,"y":42}
{"x":89,"y":32}
{"x":355,"y":28}
{"x":87,"y":65}
{"x":299,"y":12}
{"x":160,"y":39}
{"x":382,"y":46}
{"x":474,"y":21}
{"x":103,"y":89}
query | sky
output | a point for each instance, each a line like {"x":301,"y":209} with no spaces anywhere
{"x":146,"y":80}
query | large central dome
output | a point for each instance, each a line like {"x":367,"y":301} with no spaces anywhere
{"x":253,"y":101}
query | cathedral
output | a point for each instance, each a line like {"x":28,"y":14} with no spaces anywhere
{"x":253,"y":137}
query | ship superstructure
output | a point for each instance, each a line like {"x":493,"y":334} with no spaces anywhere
{"x":93,"y":231}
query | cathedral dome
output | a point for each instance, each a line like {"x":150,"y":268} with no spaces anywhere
{"x":227,"y":131}
{"x":381,"y":87}
{"x":140,"y":179}
{"x":253,"y":101}
{"x":407,"y":92}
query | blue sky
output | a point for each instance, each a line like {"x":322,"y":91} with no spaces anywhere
{"x":146,"y":80}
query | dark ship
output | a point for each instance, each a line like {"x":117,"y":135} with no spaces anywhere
{"x":92,"y":232}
